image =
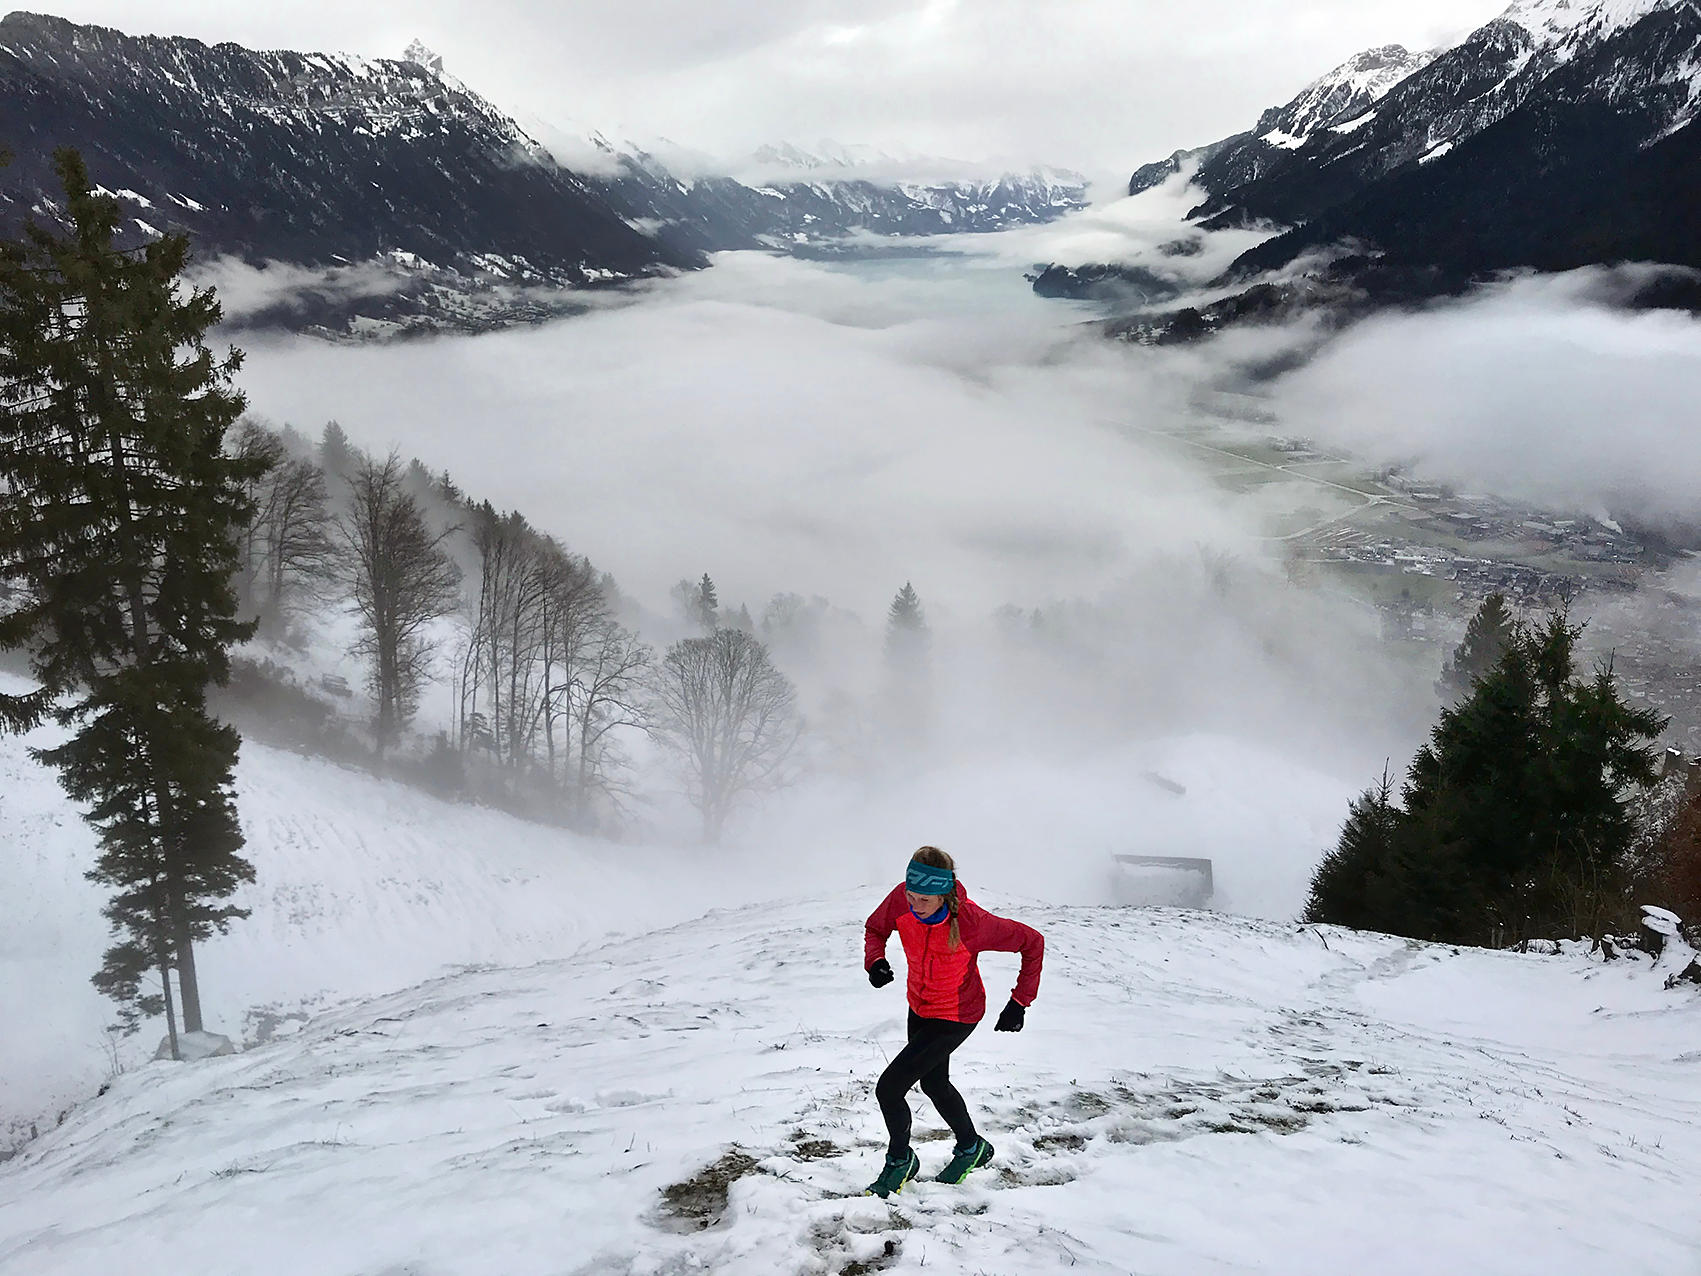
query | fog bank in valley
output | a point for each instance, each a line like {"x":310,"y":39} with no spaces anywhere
{"x":834,"y":433}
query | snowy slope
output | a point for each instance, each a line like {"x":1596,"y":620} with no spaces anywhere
{"x":1194,"y":1094}
{"x":364,"y":887}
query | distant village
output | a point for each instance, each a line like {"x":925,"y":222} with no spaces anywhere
{"x":1427,"y":556}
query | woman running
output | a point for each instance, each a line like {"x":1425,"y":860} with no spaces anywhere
{"x":943,"y":933}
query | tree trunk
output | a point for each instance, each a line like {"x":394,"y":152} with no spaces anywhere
{"x":170,"y":1010}
{"x":387,"y":693}
{"x":187,"y":979}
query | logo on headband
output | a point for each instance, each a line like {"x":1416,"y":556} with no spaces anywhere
{"x":926,"y":879}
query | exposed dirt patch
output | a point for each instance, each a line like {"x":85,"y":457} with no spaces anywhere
{"x":879,"y":1263}
{"x":1064,"y":1142}
{"x":700,"y":1201}
{"x":816,"y":1149}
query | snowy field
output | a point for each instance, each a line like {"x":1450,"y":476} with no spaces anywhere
{"x":1194,"y":1094}
{"x":364,"y":887}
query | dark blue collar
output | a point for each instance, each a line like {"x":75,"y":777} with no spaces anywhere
{"x":941,"y":915}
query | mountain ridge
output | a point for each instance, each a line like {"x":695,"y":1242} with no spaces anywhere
{"x":421,"y":204}
{"x":1555,"y":136}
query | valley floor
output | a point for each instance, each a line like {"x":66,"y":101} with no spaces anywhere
{"x":1194,"y":1094}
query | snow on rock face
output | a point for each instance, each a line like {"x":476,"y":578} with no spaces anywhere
{"x":417,"y":52}
{"x":1640,"y":58}
{"x":306,"y":158}
{"x":1343,"y":95}
{"x":1552,"y":20}
{"x":1192,"y":1094}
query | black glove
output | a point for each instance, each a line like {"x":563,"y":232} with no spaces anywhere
{"x":1012,"y":1018}
{"x":880,"y":973}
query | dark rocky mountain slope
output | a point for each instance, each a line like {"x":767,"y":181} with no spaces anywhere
{"x":1562,"y":134}
{"x":306,"y":158}
{"x":396,"y":197}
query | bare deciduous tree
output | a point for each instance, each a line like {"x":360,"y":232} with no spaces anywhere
{"x":547,"y":679}
{"x":254,"y":443}
{"x":507,"y":627}
{"x":400,"y":580}
{"x":300,"y":557}
{"x":286,"y":552}
{"x":606,"y":697}
{"x":733,"y":718}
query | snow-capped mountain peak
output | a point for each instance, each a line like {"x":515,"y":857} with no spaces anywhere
{"x":1343,"y":95}
{"x":1550,"y":21}
{"x":823,"y":155}
{"x":419,"y":53}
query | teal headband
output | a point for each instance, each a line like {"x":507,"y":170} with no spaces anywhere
{"x":924,"y":879}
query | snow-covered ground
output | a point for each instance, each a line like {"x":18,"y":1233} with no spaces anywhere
{"x":364,"y":887}
{"x":1194,"y":1094}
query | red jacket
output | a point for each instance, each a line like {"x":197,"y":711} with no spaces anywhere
{"x":945,"y":983}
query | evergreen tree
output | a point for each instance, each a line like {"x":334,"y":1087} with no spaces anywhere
{"x":1528,"y":778}
{"x":908,"y":651}
{"x":706,"y":610}
{"x":1515,"y":823}
{"x":337,"y":456}
{"x":120,"y":518}
{"x":1346,"y":888}
{"x":1486,"y":640}
{"x":907,"y":637}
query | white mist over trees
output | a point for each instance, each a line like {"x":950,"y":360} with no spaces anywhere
{"x":1168,"y":632}
{"x":698,"y":604}
{"x":908,"y":651}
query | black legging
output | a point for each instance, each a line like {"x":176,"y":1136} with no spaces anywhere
{"x":927,"y":1060}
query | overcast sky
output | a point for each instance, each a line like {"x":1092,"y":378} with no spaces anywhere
{"x":1101,"y":85}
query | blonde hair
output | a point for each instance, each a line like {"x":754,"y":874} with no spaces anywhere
{"x":933,"y":857}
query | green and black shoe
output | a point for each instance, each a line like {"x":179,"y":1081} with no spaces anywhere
{"x":972,"y":1157}
{"x":895,"y":1175}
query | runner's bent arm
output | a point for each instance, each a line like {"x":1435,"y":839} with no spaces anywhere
{"x":880,"y":925}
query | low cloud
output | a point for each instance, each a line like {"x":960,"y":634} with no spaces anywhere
{"x":249,"y":290}
{"x":1149,"y":230}
{"x":834,"y":433}
{"x":1539,"y":388}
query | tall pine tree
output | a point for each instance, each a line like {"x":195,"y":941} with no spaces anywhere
{"x":706,"y":606}
{"x":1486,"y":639}
{"x":120,"y":517}
{"x":908,"y":666}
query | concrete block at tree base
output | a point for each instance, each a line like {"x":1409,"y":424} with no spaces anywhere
{"x":195,"y":1046}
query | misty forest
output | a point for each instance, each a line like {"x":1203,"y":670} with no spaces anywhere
{"x":675,"y":698}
